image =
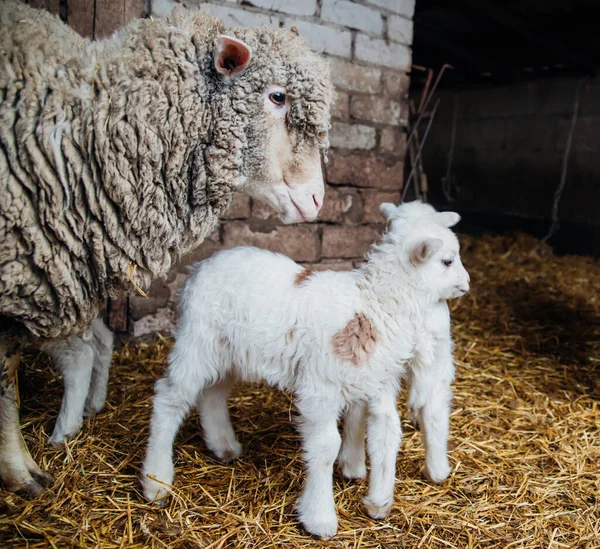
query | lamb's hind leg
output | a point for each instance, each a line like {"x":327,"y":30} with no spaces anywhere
{"x":74,"y":357}
{"x":352,"y":455}
{"x":216,"y":423}
{"x":103,"y":348}
{"x":18,"y":470}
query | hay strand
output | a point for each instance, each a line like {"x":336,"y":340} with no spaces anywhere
{"x":525,"y":442}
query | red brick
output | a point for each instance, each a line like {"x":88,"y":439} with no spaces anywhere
{"x":376,"y":170}
{"x":350,"y":77}
{"x":210,"y":245}
{"x":261,"y":210}
{"x":371,"y":201}
{"x":376,"y":109}
{"x":341,"y":206}
{"x":330,"y":265}
{"x":396,"y":85}
{"x":393,"y":140}
{"x":300,"y":242}
{"x":341,"y":107}
{"x":239,"y":207}
{"x":348,"y":241}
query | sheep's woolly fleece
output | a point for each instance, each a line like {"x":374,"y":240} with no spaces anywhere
{"x":118,"y":156}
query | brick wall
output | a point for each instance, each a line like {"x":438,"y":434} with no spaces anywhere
{"x":368,"y":44}
{"x":509,"y":145}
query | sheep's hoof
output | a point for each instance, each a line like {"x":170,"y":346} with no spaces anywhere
{"x":30,"y":489}
{"x":377,"y":511}
{"x":44,"y":479}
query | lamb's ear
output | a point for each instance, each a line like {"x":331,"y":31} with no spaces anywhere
{"x":231,"y":57}
{"x":424,"y":250}
{"x":387,"y":209}
{"x":447,"y":219}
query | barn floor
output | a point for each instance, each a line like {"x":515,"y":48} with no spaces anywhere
{"x":525,"y":441}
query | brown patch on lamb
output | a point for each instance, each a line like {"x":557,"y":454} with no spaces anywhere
{"x":356,"y":341}
{"x":302,"y":276}
{"x":290,"y":336}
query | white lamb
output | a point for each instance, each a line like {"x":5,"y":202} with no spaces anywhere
{"x":339,"y":341}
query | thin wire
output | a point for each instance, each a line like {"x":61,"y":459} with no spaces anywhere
{"x":565,"y":165}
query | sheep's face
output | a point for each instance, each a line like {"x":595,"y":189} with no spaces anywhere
{"x":290,"y":179}
{"x":429,"y":248}
{"x":282,"y":162}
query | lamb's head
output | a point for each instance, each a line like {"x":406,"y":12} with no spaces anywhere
{"x":284,"y":93}
{"x":427,"y":249}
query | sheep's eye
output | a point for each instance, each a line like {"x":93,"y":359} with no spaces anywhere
{"x":278,"y":98}
{"x":447,"y":262}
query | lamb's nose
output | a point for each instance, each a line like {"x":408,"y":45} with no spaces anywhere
{"x":318,"y":203}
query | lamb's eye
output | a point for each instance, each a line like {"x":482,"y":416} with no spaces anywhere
{"x":278,"y":98}
{"x":447,"y":262}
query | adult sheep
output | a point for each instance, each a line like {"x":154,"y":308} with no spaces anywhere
{"x":118,"y":156}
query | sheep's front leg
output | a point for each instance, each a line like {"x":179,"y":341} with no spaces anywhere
{"x":383,"y":441}
{"x":321,"y":443}
{"x":352,"y":455}
{"x":75,"y":360}
{"x":18,"y":470}
{"x":429,"y":399}
{"x":103,"y":349}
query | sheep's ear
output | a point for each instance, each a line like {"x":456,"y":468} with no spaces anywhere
{"x":447,"y":219}
{"x":232,"y":56}
{"x":424,"y":250}
{"x":387,"y":209}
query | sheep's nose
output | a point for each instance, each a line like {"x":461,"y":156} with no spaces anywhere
{"x":317,"y":201}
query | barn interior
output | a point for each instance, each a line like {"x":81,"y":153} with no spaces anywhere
{"x":509,"y":138}
{"x":516,"y":136}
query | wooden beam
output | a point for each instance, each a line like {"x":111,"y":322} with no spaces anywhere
{"x":80,"y":17}
{"x":500,"y":13}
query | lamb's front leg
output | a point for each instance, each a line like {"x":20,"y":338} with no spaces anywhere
{"x":321,"y":443}
{"x":384,"y":435}
{"x":429,"y":399}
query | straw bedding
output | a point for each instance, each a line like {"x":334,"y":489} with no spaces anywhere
{"x":525,"y":442}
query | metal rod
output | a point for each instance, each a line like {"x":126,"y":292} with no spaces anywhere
{"x":419,"y":150}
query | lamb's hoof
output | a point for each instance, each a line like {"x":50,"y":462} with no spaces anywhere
{"x":155,"y":492}
{"x":320,"y":526}
{"x":93,"y":406}
{"x":438,"y":473}
{"x":229,"y":452}
{"x":353,"y":470}
{"x":59,"y":437}
{"x":375,"y":510}
{"x":30,"y":489}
